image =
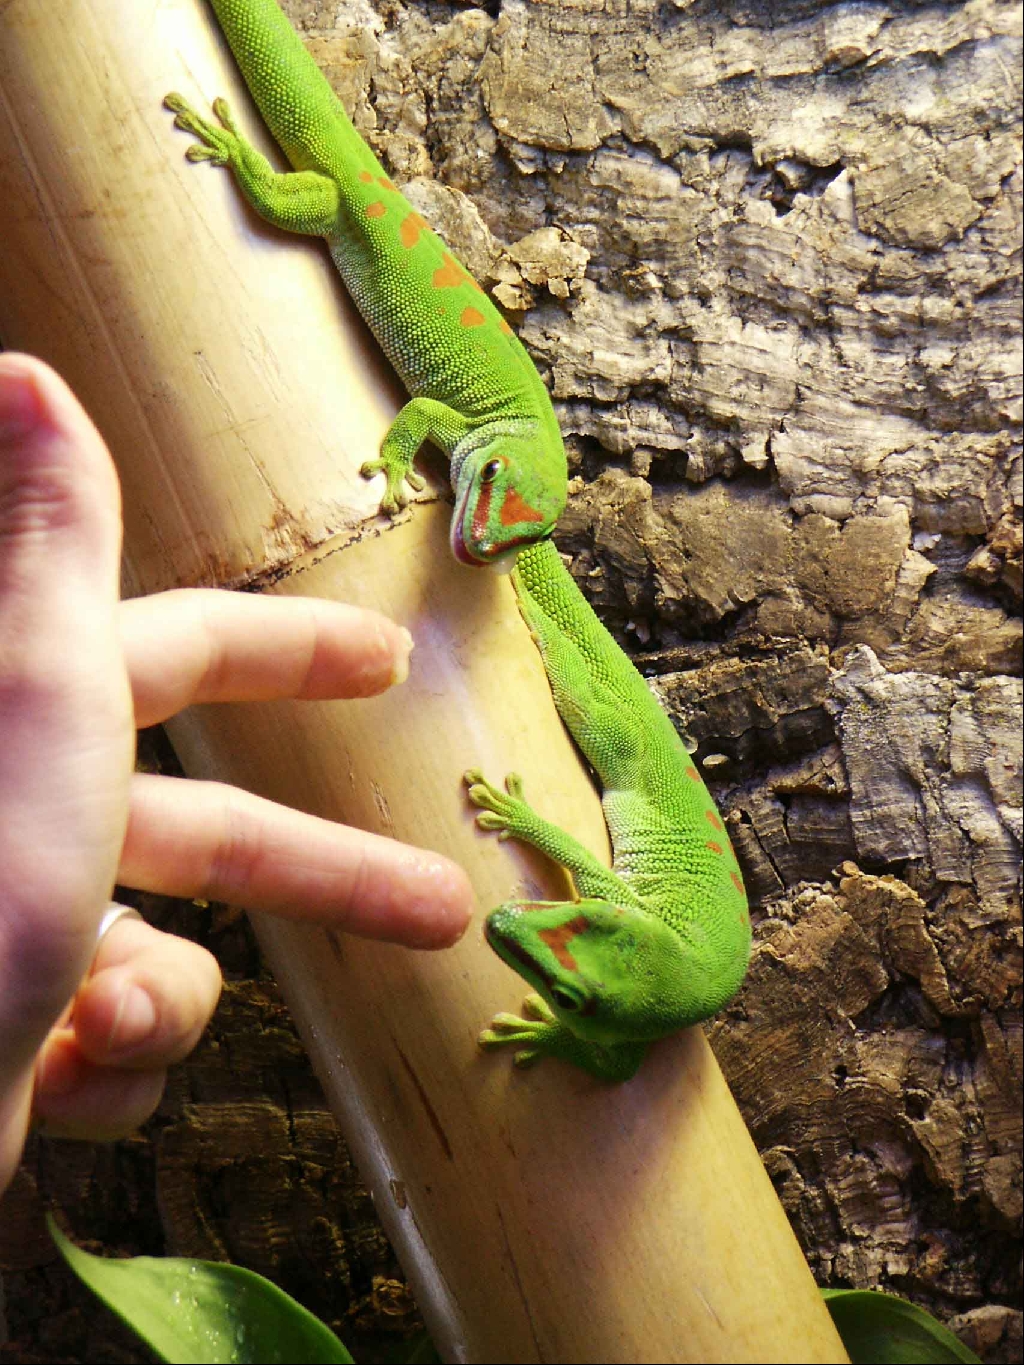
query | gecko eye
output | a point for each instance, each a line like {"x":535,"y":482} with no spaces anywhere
{"x":563,"y":999}
{"x":490,"y":471}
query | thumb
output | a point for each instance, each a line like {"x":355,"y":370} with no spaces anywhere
{"x":66,"y":732}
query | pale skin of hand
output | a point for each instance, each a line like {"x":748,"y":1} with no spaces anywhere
{"x":87,"y":1030}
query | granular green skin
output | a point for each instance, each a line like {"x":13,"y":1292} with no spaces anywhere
{"x":661,"y":940}
{"x":475,"y":392}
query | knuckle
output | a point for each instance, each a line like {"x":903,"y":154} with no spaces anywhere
{"x":238,"y":851}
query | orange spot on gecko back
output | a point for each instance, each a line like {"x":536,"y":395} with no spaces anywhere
{"x":449,"y":274}
{"x":715,"y":848}
{"x":383,"y":180}
{"x":506,"y":328}
{"x":366,"y":177}
{"x":692,"y":773}
{"x":515,"y":510}
{"x":471,"y":318}
{"x":558,"y":940}
{"x":737,"y":883}
{"x":412,"y":225}
{"x":713,"y":817}
{"x":375,"y":210}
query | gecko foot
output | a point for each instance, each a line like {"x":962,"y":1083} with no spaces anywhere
{"x":535,"y":1027}
{"x":217,"y":144}
{"x":398,"y":476}
{"x":502,"y":811}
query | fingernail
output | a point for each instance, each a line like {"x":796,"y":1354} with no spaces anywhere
{"x":134,"y":1022}
{"x":20,"y":407}
{"x":400,"y":665}
{"x":438,"y":916}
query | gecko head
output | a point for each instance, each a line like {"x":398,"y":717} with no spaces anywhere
{"x":502,"y":501}
{"x":611,"y":973}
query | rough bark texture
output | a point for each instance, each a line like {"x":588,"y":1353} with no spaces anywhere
{"x":767,"y":256}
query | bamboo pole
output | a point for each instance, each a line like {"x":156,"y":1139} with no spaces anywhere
{"x":540,"y":1216}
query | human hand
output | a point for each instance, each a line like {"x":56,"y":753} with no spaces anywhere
{"x":87,"y":1030}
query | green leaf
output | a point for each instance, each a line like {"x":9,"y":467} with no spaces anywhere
{"x":203,"y":1312}
{"x":880,"y":1329}
{"x":415,"y":1350}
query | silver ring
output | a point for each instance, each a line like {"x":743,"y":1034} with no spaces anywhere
{"x":112,"y":914}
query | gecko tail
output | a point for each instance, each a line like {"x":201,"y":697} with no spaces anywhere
{"x":303,"y":113}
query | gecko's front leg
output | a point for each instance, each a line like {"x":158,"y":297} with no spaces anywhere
{"x":511,"y":817}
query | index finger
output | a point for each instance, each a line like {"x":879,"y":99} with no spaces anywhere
{"x":206,"y":645}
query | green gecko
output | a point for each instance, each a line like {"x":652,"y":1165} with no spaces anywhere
{"x":475,"y":392}
{"x":660,"y":940}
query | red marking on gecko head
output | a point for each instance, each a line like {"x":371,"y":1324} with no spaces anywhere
{"x":558,"y":940}
{"x":713,"y":817}
{"x":482,"y":510}
{"x":715,"y":848}
{"x":514,"y":510}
